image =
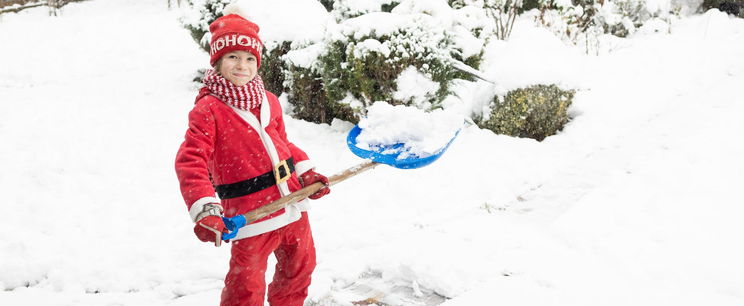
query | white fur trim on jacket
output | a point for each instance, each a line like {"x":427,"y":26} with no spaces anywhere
{"x":292,"y":213}
{"x":260,"y":127}
{"x":198,"y":206}
{"x":303,"y":167}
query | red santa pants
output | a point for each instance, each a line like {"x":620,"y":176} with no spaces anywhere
{"x":293,"y":247}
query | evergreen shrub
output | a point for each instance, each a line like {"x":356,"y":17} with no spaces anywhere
{"x":534,"y":112}
{"x":309,"y":99}
{"x":356,"y":69}
{"x":272,"y":69}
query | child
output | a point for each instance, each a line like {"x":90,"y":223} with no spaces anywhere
{"x":236,"y":145}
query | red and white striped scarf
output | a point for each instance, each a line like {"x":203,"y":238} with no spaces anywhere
{"x":244,"y":97}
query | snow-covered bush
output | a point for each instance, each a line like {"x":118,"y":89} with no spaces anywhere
{"x":273,"y":67}
{"x":733,"y":7}
{"x":583,"y":21}
{"x":361,"y":64}
{"x":202,"y":13}
{"x":309,"y":99}
{"x":502,"y":13}
{"x":404,"y":57}
{"x":480,"y":28}
{"x":623,"y":17}
{"x":534,"y":112}
{"x":345,"y":9}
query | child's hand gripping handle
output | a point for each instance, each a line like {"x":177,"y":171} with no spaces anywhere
{"x":232,"y":224}
{"x":217,"y":234}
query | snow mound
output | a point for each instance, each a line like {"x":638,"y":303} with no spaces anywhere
{"x":422,"y":133}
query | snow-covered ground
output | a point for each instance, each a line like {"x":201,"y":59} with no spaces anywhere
{"x":636,"y":202}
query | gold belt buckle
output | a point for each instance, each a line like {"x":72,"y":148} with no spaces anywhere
{"x":277,"y":173}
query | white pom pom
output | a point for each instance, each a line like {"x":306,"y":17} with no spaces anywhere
{"x":233,"y":8}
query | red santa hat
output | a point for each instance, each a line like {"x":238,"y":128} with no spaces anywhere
{"x":233,"y":32}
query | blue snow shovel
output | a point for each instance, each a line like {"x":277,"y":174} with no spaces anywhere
{"x":392,"y":155}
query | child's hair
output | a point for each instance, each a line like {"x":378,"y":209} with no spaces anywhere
{"x":218,"y":65}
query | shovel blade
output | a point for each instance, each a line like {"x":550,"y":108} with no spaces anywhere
{"x":394,"y":159}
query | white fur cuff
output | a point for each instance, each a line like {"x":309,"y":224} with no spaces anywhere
{"x":198,"y":206}
{"x":303,"y":167}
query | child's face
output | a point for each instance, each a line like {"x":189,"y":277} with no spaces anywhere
{"x":239,"y":67}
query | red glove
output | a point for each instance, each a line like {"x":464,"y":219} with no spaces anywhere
{"x":311,"y":177}
{"x":208,"y":228}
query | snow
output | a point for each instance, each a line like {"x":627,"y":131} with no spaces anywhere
{"x":373,"y":24}
{"x":635,"y":202}
{"x":371,"y":45}
{"x":305,"y":57}
{"x":344,"y":9}
{"x":416,"y":87}
{"x":435,"y":8}
{"x":285,"y":20}
{"x":422,"y":133}
{"x":657,"y":6}
{"x":561,"y":65}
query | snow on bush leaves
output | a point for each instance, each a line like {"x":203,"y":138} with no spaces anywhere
{"x":362,"y":59}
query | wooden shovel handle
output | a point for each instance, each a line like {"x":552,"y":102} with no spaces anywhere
{"x":298,"y":195}
{"x":263,"y":211}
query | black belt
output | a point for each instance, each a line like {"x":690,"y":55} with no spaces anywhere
{"x":280,"y":174}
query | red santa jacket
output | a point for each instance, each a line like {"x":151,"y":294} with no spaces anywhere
{"x":225,"y":145}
